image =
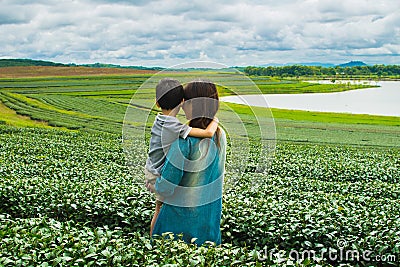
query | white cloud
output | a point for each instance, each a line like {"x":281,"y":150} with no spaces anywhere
{"x":231,"y":32}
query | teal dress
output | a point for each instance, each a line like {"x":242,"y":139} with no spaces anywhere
{"x":191,"y":183}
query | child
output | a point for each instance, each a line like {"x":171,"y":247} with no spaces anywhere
{"x":166,"y":129}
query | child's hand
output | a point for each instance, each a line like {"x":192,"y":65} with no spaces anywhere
{"x":146,"y":184}
{"x":151,"y":187}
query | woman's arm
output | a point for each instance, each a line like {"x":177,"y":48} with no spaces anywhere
{"x":173,"y":170}
{"x":205,"y":133}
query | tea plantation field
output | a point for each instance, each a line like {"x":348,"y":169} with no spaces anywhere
{"x":67,"y":197}
{"x":99,"y":103}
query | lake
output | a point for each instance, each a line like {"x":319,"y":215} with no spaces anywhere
{"x":383,"y":100}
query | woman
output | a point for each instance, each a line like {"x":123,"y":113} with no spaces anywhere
{"x":192,"y":177}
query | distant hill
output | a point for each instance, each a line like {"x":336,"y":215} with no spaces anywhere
{"x":271,"y":65}
{"x":318,"y":64}
{"x":102,"y":65}
{"x":27,"y":62}
{"x":32,"y":62}
{"x":352,"y":64}
{"x":325,"y":65}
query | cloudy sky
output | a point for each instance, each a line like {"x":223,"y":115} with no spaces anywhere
{"x":235,"y":33}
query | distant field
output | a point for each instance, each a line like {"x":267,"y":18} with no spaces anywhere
{"x":95,"y":99}
{"x":44,"y":71}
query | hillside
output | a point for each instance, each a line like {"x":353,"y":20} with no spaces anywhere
{"x":42,"y":63}
{"x":28,"y":62}
{"x":352,"y":64}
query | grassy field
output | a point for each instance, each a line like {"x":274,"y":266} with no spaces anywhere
{"x":67,"y":197}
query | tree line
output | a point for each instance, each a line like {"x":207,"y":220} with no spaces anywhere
{"x":300,"y":70}
{"x":27,"y":62}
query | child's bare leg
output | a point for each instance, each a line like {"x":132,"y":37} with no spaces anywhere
{"x":156,"y":212}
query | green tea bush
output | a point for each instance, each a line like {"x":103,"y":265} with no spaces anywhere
{"x":47,"y":242}
{"x":67,"y":198}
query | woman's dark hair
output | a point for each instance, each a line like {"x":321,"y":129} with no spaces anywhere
{"x":204,"y":111}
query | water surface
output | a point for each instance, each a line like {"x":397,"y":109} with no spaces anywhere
{"x":383,"y":100}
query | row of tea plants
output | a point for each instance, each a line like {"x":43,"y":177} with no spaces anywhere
{"x":67,"y":198}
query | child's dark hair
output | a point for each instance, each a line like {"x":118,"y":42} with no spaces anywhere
{"x":169,"y":93}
